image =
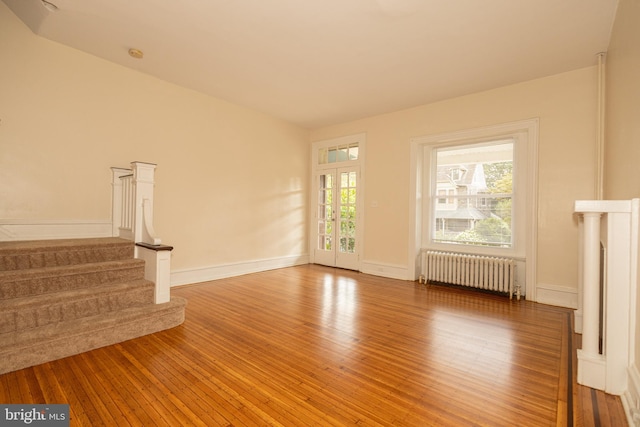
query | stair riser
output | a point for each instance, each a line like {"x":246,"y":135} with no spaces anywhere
{"x":32,"y":317}
{"x":23,"y":287}
{"x":64,"y":257}
{"x":22,"y":356}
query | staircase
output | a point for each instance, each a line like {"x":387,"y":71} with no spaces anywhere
{"x":63,"y":297}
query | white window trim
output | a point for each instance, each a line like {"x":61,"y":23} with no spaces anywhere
{"x":419,"y":196}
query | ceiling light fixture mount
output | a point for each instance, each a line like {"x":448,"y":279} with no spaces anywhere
{"x":136,"y":53}
{"x":49,"y":6}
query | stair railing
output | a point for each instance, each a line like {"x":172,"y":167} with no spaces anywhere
{"x":132,"y":219}
{"x":133,"y":203}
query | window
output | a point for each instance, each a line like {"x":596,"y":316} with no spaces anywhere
{"x":477,"y":186}
{"x":505,"y":204}
{"x":337,"y":154}
{"x":479,"y":209}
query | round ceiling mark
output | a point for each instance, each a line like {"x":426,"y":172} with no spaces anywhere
{"x":136,"y":53}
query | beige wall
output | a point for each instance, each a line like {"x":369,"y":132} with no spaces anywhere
{"x":566,"y":107}
{"x":622,"y":140}
{"x":231,"y":183}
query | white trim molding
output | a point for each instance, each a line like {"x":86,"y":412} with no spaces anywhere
{"x":205,"y":274}
{"x":561,"y":296}
{"x":11,"y":230}
{"x":390,"y":271}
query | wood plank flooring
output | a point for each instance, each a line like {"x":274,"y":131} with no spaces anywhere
{"x":312,"y":345}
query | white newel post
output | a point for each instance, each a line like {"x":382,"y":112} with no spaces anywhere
{"x":157,"y":268}
{"x":607,"y":370}
{"x":144,"y":181}
{"x":132,"y":219}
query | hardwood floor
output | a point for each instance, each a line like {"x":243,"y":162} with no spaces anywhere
{"x":312,"y":345}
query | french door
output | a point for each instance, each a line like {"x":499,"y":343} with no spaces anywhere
{"x":337,"y":242}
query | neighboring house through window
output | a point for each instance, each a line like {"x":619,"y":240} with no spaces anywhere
{"x":478,"y":179}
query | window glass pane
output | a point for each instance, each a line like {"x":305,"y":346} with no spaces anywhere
{"x":332,"y":155}
{"x":344,"y":180}
{"x":352,"y":179}
{"x":352,"y":196}
{"x":351,"y":229}
{"x":343,"y":244}
{"x":477,"y":182}
{"x":343,"y":153}
{"x":327,"y":243}
{"x":322,"y":156}
{"x":344,"y":228}
{"x":353,"y":152}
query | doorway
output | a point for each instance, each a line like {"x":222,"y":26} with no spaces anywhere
{"x":336,"y":234}
{"x":337,"y":225}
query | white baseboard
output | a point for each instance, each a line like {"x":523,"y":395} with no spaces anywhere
{"x":390,"y":271}
{"x":11,"y":230}
{"x":204,"y":274}
{"x":631,"y":397}
{"x":561,"y":296}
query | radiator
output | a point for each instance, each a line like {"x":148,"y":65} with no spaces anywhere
{"x":476,"y":271}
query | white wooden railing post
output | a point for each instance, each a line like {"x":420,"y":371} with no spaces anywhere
{"x":132,"y":218}
{"x":144,"y":182}
{"x":577,"y":314}
{"x":607,"y":369}
{"x":591,"y":363}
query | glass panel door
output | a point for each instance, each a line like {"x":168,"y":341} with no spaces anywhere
{"x":337,"y":218}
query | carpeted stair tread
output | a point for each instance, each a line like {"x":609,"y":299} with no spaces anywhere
{"x":18,"y":283}
{"x":74,"y":294}
{"x":33,"y":311}
{"x":51,"y":342}
{"x":21,"y":255}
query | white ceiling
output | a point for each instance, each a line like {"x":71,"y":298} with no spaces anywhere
{"x":320,"y":62}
